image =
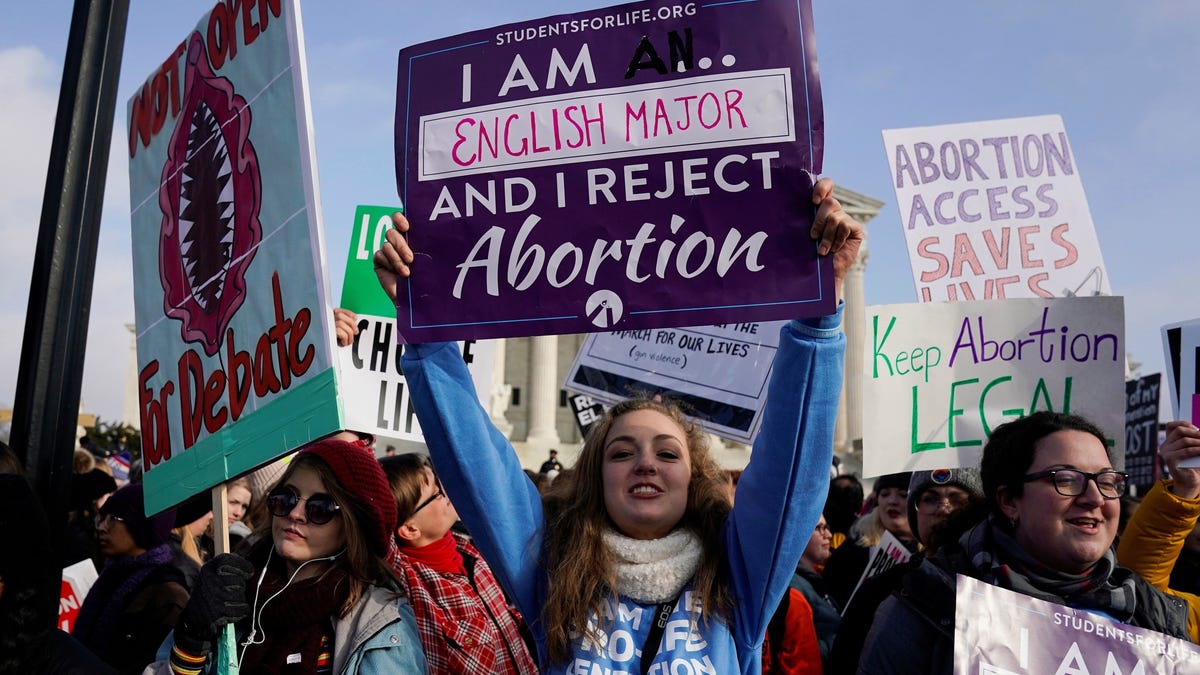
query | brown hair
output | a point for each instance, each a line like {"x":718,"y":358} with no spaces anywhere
{"x":406,"y":476}
{"x":582,"y":574}
{"x":83,"y":461}
{"x":363,"y":568}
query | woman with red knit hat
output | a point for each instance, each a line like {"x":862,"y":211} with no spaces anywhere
{"x":316,"y":595}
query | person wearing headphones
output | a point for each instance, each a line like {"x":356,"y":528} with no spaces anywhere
{"x":317,"y":594}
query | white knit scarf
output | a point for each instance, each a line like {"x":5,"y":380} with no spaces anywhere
{"x":655,"y":570}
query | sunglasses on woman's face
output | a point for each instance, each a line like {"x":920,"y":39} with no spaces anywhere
{"x":318,"y":508}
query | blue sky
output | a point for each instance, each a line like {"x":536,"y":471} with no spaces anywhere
{"x":1121,"y":75}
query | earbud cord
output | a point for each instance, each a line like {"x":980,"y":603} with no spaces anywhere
{"x":256,"y":616}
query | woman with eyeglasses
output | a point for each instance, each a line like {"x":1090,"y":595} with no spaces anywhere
{"x":1053,"y":498}
{"x":465,"y":622}
{"x":937,"y":501}
{"x":317,"y":594}
{"x":636,"y":561}
{"x":137,"y":598}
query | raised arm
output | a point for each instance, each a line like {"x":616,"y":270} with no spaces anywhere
{"x":1156,"y":532}
{"x":477,"y":465}
{"x":782,"y":492}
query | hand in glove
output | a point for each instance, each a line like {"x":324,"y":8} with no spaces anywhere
{"x":219,"y":598}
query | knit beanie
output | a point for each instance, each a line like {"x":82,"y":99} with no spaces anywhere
{"x":88,"y":487}
{"x":965,"y":479}
{"x":129,"y":504}
{"x":359,"y":474}
{"x":892,"y":480}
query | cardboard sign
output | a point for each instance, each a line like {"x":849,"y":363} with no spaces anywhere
{"x":637,"y":166}
{"x":994,"y":210}
{"x":1141,"y":430}
{"x":1181,"y":349}
{"x":234,"y":329}
{"x":587,"y":412}
{"x":940,"y":376}
{"x":373,"y":387}
{"x":77,"y":580}
{"x":1000,"y":632}
{"x":718,"y":373}
{"x":881,"y":558}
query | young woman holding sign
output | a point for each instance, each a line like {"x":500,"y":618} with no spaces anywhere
{"x":317,"y":595}
{"x":636,"y":559}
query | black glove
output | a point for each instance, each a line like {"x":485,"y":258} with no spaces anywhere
{"x":219,"y":598}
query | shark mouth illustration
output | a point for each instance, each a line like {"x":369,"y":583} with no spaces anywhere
{"x":210,"y":195}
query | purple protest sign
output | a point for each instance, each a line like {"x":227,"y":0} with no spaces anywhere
{"x":1002,"y":632}
{"x":639,"y":166}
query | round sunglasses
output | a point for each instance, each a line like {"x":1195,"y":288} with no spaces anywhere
{"x":319,"y":508}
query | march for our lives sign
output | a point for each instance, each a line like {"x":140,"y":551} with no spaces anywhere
{"x":994,"y":210}
{"x":638,"y":166}
{"x":719,"y":373}
{"x":939,"y":377}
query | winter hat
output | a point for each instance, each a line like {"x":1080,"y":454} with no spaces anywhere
{"x":129,"y":504}
{"x":360,"y":475}
{"x":892,"y":480}
{"x":965,"y":479}
{"x":193,"y":508}
{"x":88,"y":487}
{"x":265,"y":477}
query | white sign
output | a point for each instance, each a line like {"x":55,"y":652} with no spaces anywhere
{"x":719,"y":373}
{"x":994,"y":210}
{"x":941,"y":376}
{"x":375,"y":392}
{"x":881,"y":558}
{"x":1181,"y":347}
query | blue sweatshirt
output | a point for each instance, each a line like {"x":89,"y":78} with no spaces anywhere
{"x":780,"y":497}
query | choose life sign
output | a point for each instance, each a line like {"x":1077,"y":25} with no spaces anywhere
{"x":941,"y":376}
{"x":375,"y":394}
{"x":638,"y":166}
{"x":994,"y":210}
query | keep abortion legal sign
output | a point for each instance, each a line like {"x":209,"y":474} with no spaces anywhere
{"x":639,"y":166}
{"x":939,"y":377}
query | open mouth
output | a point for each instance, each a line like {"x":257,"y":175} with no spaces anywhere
{"x":1086,"y":524}
{"x":210,"y":195}
{"x":645,"y":490}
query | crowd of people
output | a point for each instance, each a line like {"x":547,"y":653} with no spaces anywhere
{"x":643,"y":556}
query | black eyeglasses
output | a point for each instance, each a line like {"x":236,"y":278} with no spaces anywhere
{"x":318,"y":508}
{"x":432,"y":498}
{"x":1073,"y":482}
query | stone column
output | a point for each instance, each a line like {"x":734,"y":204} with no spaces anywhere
{"x":853,"y":324}
{"x":501,"y":391}
{"x":130,"y":413}
{"x":543,"y":393}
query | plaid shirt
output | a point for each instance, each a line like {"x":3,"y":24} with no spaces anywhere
{"x":466,"y":625}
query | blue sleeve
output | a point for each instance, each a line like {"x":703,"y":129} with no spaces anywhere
{"x":479,"y":470}
{"x":782,"y":491}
